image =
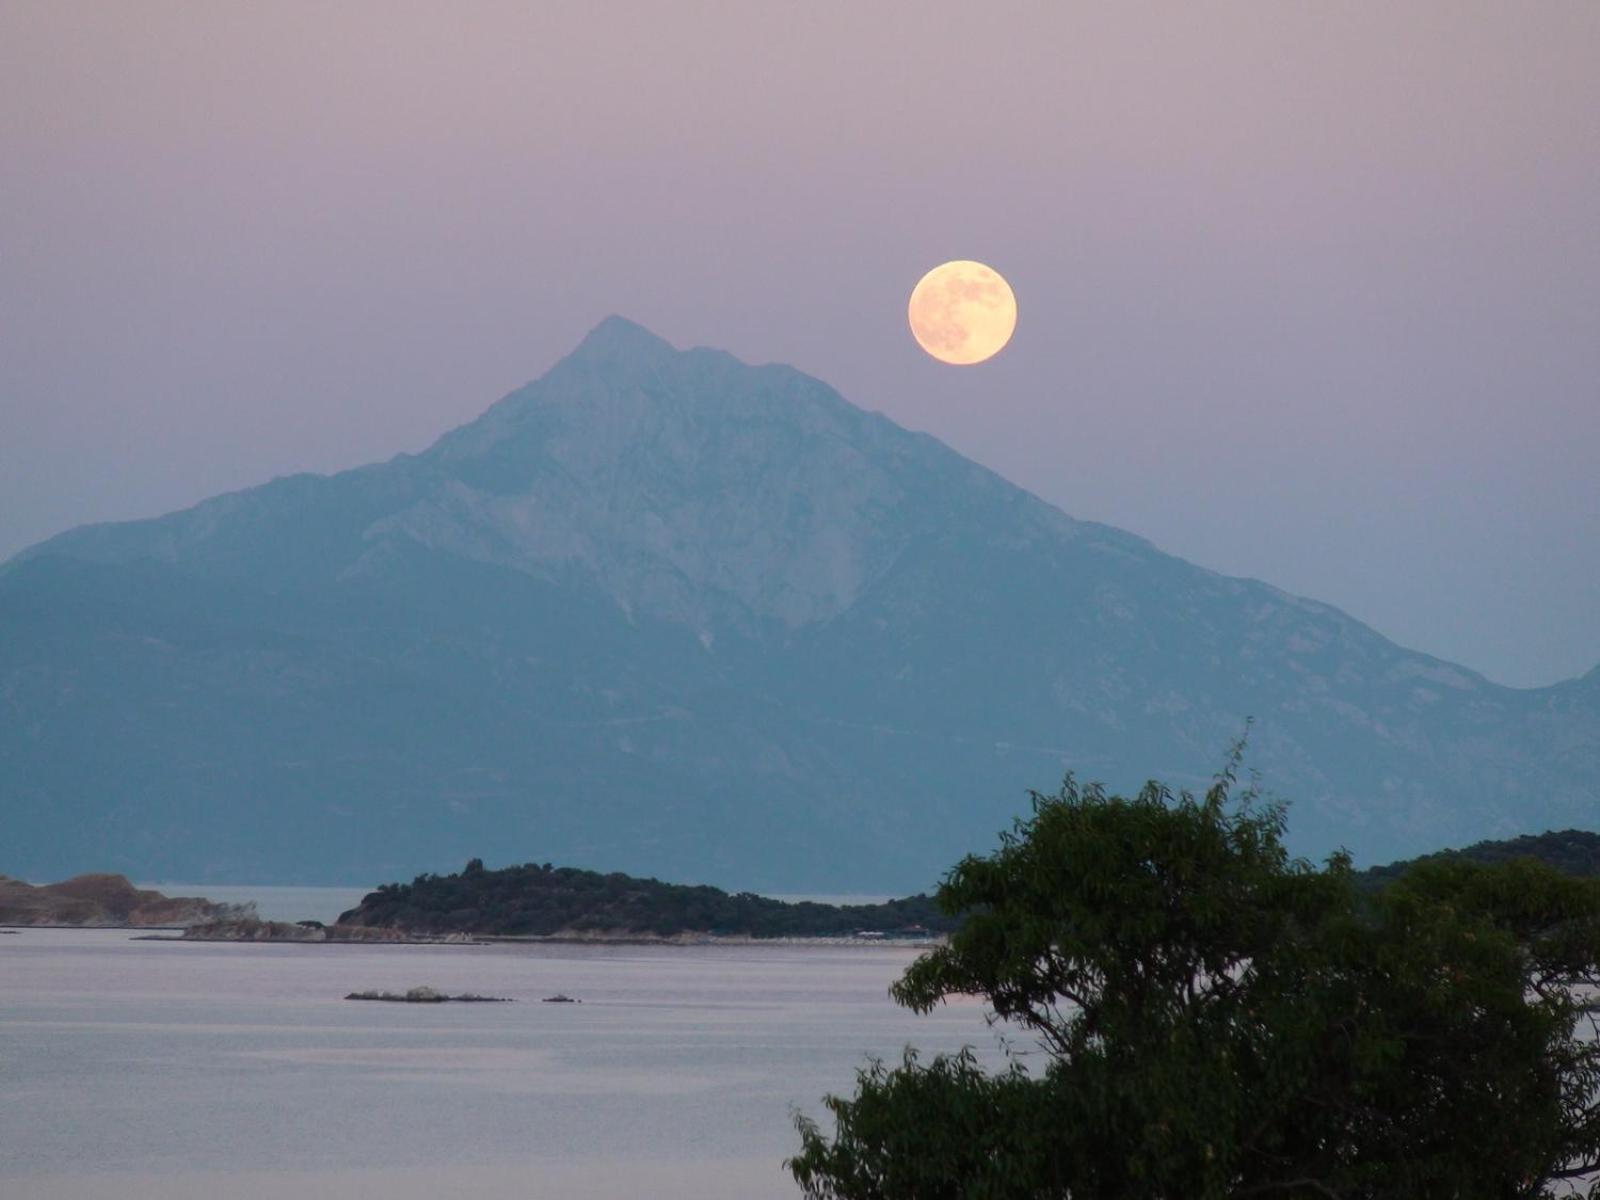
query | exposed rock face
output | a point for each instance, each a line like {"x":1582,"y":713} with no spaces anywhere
{"x":105,"y":901}
{"x":668,"y":613}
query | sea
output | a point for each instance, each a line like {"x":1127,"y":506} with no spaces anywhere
{"x":168,"y":1070}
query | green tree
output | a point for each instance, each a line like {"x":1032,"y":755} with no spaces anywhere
{"x":1217,"y":1019}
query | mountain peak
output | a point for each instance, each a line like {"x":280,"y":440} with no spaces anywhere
{"x":618,"y":337}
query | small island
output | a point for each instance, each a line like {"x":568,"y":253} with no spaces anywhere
{"x":103,"y":901}
{"x":428,"y":995}
{"x":533,"y":901}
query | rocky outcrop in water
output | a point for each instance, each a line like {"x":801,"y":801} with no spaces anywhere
{"x":427,"y":995}
{"x":106,"y":901}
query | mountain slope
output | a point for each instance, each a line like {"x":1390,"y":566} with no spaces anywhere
{"x":664,"y":612}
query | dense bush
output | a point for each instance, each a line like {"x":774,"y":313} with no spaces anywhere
{"x":1218,"y":1020}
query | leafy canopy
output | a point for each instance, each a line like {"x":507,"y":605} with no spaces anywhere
{"x":1216,"y":1019}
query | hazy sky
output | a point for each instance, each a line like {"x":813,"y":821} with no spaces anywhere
{"x":1308,"y":292}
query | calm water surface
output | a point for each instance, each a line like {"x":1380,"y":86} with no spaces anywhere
{"x":140,"y":1069}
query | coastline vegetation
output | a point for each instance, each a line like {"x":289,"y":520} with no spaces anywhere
{"x":1214,"y":1019}
{"x":534,"y":900}
{"x":547,"y":901}
{"x":1574,"y":852}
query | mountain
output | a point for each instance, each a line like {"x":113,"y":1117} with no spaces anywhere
{"x":667,"y":613}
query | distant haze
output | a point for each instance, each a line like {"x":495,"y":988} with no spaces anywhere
{"x":1307,"y":293}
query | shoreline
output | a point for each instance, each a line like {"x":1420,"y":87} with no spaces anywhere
{"x":711,"y":939}
{"x":176,"y":933}
{"x":510,"y":939}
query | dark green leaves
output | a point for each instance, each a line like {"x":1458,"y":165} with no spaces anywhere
{"x":1221,"y":1020}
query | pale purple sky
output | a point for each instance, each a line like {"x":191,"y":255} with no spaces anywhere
{"x":1308,"y":292}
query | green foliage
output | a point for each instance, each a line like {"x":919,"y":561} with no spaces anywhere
{"x":1570,"y":851}
{"x":1219,"y":1020}
{"x":976,"y":1134}
{"x":544,"y":900}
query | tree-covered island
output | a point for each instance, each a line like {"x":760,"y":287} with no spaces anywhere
{"x":547,"y":901}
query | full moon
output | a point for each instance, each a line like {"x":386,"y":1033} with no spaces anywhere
{"x":962,"y":312}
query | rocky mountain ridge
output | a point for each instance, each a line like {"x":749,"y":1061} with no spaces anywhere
{"x":666,"y":612}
